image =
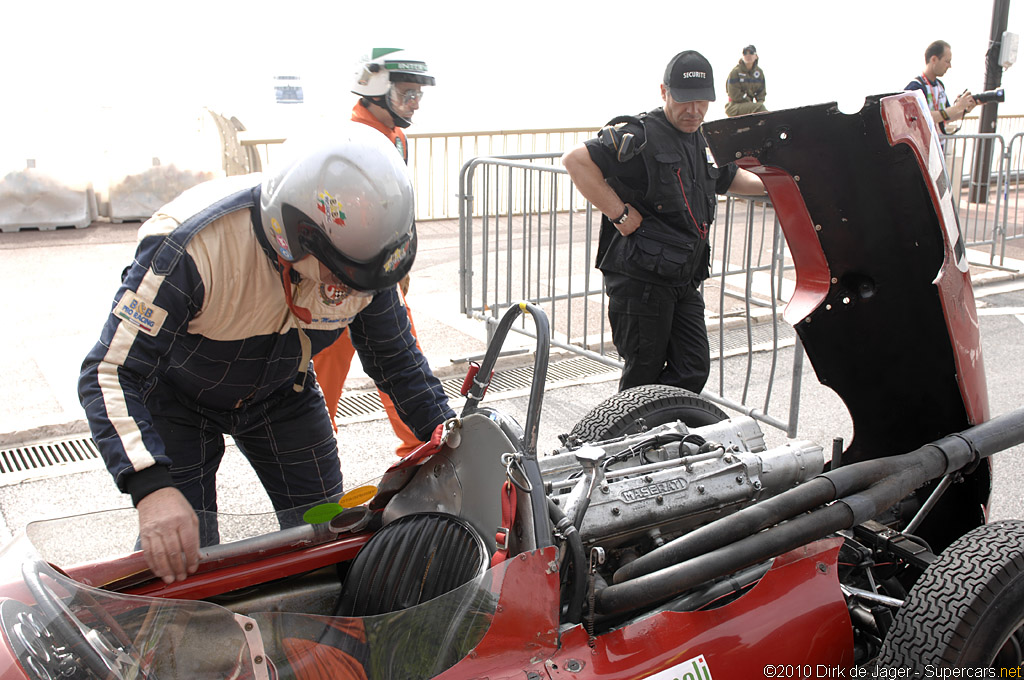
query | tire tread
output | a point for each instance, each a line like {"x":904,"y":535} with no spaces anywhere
{"x":616,"y":414}
{"x":944,"y":608}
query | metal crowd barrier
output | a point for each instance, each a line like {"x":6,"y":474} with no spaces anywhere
{"x":976,"y":168}
{"x":1013,"y":215}
{"x":527,"y":234}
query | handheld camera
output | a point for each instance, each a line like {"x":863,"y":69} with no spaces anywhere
{"x":990,"y":96}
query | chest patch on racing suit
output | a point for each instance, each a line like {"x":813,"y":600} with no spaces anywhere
{"x":333,"y":295}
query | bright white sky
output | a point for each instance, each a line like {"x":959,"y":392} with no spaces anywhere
{"x":89,"y":76}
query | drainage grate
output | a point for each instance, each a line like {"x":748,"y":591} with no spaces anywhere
{"x":32,"y":457}
{"x":734,"y":340}
{"x":359,"y":404}
{"x":576,"y":368}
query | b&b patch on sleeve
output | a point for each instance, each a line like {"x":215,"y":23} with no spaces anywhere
{"x":133,"y":310}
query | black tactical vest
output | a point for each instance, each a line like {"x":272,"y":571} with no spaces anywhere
{"x":670,"y":247}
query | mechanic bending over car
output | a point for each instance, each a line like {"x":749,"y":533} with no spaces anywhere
{"x":653,"y":178}
{"x":235,"y":285}
{"x":389,"y":84}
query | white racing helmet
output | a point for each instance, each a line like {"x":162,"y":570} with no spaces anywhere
{"x":385,"y":66}
{"x":346,"y":199}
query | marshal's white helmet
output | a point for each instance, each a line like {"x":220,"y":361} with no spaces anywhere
{"x":346,"y":199}
{"x":385,"y":66}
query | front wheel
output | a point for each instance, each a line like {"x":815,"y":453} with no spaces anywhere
{"x":655,"y":405}
{"x":967,"y":609}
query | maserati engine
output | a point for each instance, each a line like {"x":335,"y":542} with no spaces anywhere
{"x":635,"y":493}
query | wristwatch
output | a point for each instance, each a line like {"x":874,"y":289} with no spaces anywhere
{"x":623,"y":217}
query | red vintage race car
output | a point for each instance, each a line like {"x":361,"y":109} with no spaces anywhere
{"x":663,"y":540}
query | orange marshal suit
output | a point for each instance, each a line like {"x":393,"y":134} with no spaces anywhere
{"x":332,"y":364}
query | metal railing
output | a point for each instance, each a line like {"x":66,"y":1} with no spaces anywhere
{"x":527,"y":234}
{"x":985,"y":172}
{"x":435,"y":158}
{"x":1012,"y":223}
{"x":976,"y":171}
{"x":1006,"y":125}
{"x":985,"y":175}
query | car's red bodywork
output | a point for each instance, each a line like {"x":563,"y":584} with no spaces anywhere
{"x":794,"y":616}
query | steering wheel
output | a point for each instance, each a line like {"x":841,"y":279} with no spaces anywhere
{"x":103,"y":657}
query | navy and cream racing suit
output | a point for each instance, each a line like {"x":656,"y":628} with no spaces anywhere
{"x":201,"y":342}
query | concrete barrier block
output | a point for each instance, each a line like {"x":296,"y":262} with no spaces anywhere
{"x":138,"y":196}
{"x":32,"y":199}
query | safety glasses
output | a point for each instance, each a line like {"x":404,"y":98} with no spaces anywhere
{"x":406,"y":96}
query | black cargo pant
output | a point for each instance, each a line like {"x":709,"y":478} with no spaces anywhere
{"x":659,"y":332}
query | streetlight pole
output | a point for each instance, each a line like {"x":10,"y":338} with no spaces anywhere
{"x":989,"y":112}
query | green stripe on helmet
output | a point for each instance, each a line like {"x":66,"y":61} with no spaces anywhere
{"x":379,"y":52}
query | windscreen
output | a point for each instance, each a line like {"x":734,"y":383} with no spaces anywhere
{"x":52,"y":616}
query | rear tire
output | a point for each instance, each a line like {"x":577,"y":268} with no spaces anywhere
{"x":654,"y":404}
{"x":967,"y":609}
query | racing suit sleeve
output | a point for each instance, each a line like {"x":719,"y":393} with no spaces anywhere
{"x":387,"y":349}
{"x":160,"y":293}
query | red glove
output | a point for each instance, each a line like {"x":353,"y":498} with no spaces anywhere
{"x":438,"y":438}
{"x":428,"y":449}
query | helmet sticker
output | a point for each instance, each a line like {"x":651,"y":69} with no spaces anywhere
{"x":282,"y":241}
{"x":395,"y":259}
{"x":329,"y":206}
{"x":416,"y":66}
{"x":333,"y":295}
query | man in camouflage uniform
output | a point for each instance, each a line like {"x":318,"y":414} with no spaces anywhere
{"x":746,"y":86}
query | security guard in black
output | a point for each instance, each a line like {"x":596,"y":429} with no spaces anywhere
{"x":652,"y":276}
{"x":670,"y":177}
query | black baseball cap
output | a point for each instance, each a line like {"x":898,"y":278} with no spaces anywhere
{"x":688,"y":77}
{"x":749,"y":49}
